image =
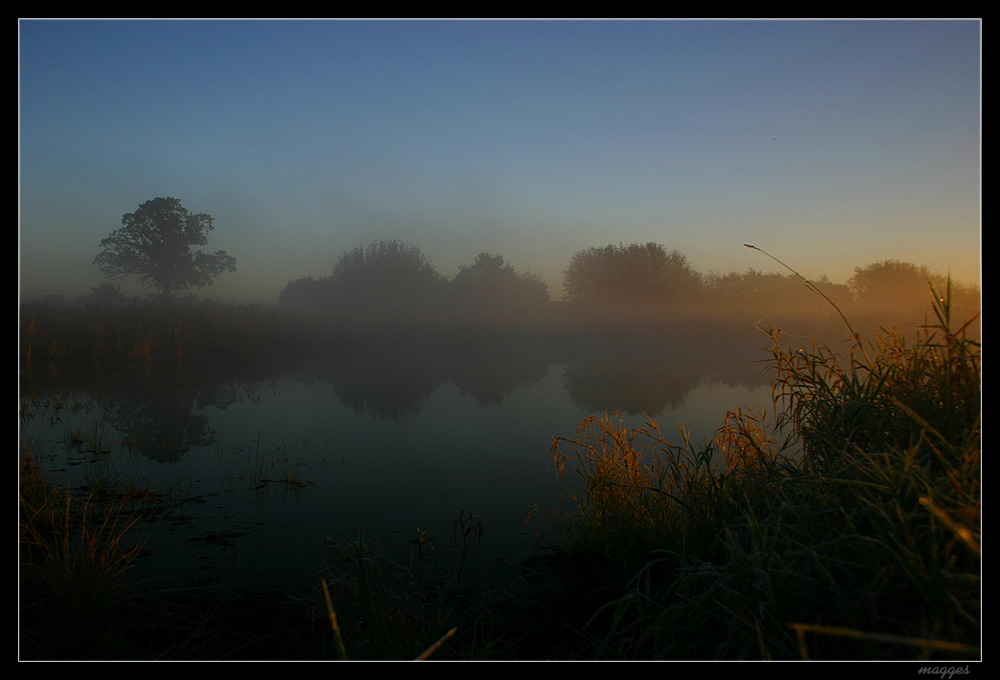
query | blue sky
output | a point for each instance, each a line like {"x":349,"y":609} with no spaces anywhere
{"x":830,"y":144}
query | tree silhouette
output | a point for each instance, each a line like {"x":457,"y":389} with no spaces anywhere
{"x":154,"y":245}
{"x":387,"y":279}
{"x":491,"y":285}
{"x":894,"y":285}
{"x":304,"y":293}
{"x":755,"y":293}
{"x":105,"y":294}
{"x":630,"y":273}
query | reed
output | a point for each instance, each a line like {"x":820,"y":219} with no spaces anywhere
{"x":846,"y":526}
{"x":75,"y":553}
{"x":273,"y":466}
{"x":382,"y":609}
{"x":61,"y":341}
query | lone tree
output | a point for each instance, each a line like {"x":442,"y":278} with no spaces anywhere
{"x":154,"y":245}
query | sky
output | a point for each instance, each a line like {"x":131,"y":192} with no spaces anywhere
{"x":829,"y":144}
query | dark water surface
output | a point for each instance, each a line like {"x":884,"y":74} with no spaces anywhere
{"x":397,"y":443}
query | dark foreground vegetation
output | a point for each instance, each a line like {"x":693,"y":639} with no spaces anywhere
{"x":848,"y":528}
{"x":845,"y":525}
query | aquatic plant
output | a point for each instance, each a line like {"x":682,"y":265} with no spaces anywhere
{"x":74,"y":554}
{"x":380,"y":608}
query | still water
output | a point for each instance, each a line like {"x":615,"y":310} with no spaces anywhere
{"x":397,"y":447}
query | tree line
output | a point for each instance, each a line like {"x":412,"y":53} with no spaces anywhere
{"x":395,"y":280}
{"x":392,"y":279}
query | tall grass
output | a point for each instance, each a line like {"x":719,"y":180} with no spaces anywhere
{"x":74,"y":555}
{"x":901,"y":393}
{"x":59,"y":342}
{"x":848,"y":526}
{"x":381,"y":608}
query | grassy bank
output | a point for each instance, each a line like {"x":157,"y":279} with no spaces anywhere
{"x":846,"y":528}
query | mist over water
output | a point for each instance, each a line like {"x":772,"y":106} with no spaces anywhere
{"x":376,"y":431}
{"x":389,"y":400}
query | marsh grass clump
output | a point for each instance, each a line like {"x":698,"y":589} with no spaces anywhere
{"x":901,"y":393}
{"x":848,"y":527}
{"x":383,"y":606}
{"x":82,"y":597}
{"x":379,"y":608}
{"x":74,"y":554}
{"x":272,"y":466}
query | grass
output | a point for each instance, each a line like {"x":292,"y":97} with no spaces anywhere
{"x":75,"y":555}
{"x":82,"y":595}
{"x":94,"y":345}
{"x":437,"y":605}
{"x":846,"y":528}
{"x":273,"y":466}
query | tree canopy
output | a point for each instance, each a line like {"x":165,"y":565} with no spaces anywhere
{"x":490,"y":285}
{"x":756,"y":292}
{"x":154,"y":244}
{"x":889,"y":283}
{"x":391,"y":280}
{"x":305,"y":293}
{"x":386,"y":278}
{"x":629,"y":273}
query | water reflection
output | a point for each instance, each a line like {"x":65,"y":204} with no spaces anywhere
{"x":631,"y":377}
{"x":162,"y":427}
{"x":390,"y":433}
{"x":392,"y":378}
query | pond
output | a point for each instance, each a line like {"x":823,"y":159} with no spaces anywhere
{"x":397,"y":441}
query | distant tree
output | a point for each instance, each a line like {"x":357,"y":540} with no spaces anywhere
{"x":891,"y":284}
{"x":758,"y":293}
{"x":154,"y":245}
{"x":388,"y":278}
{"x":630,"y":273}
{"x":491,"y":285}
{"x":105,"y":294}
{"x":838,"y":293}
{"x":305,"y":293}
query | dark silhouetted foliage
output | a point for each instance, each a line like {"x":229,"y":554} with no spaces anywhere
{"x":754,"y":293}
{"x":489,"y":285}
{"x":890,"y":283}
{"x":105,"y":294}
{"x":386,"y":279}
{"x":630,"y":273}
{"x":304,"y":293}
{"x":391,"y":280}
{"x":154,"y":245}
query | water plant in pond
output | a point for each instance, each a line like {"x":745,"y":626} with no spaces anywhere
{"x":385,"y":609}
{"x":75,"y":550}
{"x":466,"y":537}
{"x":92,"y":440}
{"x":381,"y":608}
{"x":274,"y":466}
